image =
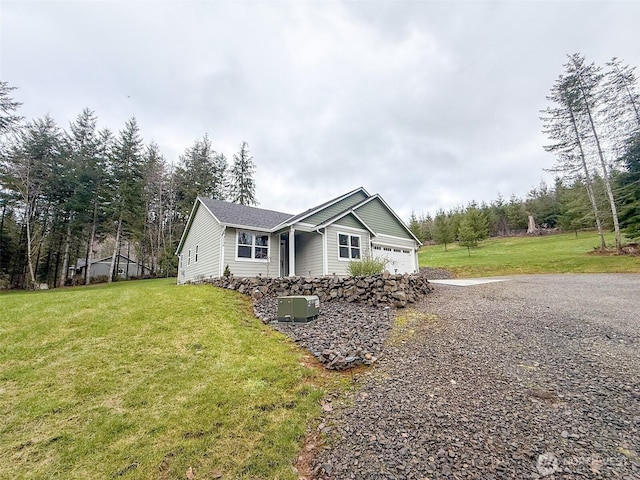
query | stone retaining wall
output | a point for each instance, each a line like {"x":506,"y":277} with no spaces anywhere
{"x":385,"y":289}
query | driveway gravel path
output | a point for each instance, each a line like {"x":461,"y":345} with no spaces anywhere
{"x":535,"y":377}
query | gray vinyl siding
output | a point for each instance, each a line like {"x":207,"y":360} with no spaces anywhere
{"x":335,"y":209}
{"x":100,"y":269}
{"x":205,"y":232}
{"x":380,"y":220}
{"x":349,"y":221}
{"x":251,"y":268}
{"x":309,"y":254}
{"x":335,"y":264}
{"x":131,"y":269}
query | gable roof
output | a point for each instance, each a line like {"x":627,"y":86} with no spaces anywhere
{"x":390,"y":210}
{"x":253,"y":218}
{"x":234,"y":215}
{"x":316,"y":209}
{"x":81,"y":262}
{"x":353,"y":211}
{"x":237,"y":215}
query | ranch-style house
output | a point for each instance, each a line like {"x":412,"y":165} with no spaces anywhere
{"x":321,"y":241}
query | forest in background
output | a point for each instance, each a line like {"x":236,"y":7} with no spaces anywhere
{"x":593,"y":126}
{"x":70,"y":196}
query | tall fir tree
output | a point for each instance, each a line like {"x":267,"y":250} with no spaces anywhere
{"x":127,"y":175}
{"x":201,"y":172}
{"x":242,"y":186}
{"x":564,"y":126}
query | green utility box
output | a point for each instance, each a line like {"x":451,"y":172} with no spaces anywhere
{"x":298,"y":308}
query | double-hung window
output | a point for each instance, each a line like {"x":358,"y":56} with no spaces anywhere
{"x":252,"y":246}
{"x":349,"y":246}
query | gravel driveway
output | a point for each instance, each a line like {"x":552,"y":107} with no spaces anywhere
{"x":535,"y":377}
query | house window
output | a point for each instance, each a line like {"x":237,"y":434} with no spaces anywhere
{"x":252,"y":246}
{"x":195,"y":258}
{"x":189,"y":257}
{"x":349,"y":246}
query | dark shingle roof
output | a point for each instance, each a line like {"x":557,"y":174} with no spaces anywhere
{"x":241,"y":215}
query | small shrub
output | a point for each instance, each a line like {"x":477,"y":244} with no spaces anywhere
{"x":227,"y":272}
{"x":367,"y":266}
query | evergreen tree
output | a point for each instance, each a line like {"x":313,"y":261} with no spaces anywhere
{"x":516,"y":214}
{"x":564,"y":125}
{"x":575,"y":212}
{"x":466,"y":234}
{"x":152,"y":243}
{"x":127,"y":176}
{"x":8,"y":107}
{"x":242,"y":186}
{"x":621,"y":102}
{"x":443,"y":229}
{"x":414,"y":225}
{"x":586,"y":81}
{"x":477,"y":222}
{"x":629,"y":185}
{"x":30,"y":171}
{"x":201,"y":173}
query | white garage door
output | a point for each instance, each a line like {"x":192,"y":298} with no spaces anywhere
{"x":400,"y":259}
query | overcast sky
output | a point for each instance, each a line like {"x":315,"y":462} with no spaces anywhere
{"x":430,"y":104}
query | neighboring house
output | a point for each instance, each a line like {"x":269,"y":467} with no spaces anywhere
{"x":321,"y":241}
{"x":125,"y":267}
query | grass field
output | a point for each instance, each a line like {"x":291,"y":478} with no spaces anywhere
{"x":146,"y":380}
{"x":562,"y":253}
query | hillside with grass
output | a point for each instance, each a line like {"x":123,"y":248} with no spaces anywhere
{"x":561,"y":253}
{"x":148,"y":380}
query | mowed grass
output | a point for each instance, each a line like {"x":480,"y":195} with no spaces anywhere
{"x":147,"y":380}
{"x":561,"y":253}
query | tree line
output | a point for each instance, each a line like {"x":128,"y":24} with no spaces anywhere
{"x":593,"y":125}
{"x":67,"y":195}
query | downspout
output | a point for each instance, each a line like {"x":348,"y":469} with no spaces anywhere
{"x":221,"y":261}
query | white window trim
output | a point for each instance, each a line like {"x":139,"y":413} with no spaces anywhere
{"x":253,"y":247}
{"x":349,"y":235}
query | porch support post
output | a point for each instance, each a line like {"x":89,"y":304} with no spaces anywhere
{"x":325,"y":260}
{"x":292,"y":252}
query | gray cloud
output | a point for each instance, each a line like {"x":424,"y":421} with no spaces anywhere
{"x":431,"y":104}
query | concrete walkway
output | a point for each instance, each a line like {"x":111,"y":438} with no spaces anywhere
{"x":467,"y":282}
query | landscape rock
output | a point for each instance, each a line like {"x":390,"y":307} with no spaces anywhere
{"x":377,"y":290}
{"x":344,"y":335}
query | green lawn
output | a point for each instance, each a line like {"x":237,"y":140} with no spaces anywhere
{"x":562,"y":253}
{"x":144,"y":380}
